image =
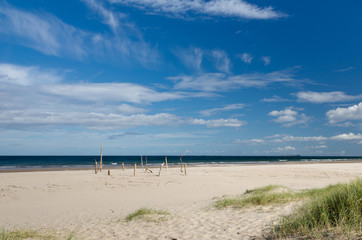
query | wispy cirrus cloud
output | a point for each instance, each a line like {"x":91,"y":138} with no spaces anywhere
{"x":246,"y":58}
{"x":275,"y":98}
{"x":217,"y":8}
{"x":325,"y":97}
{"x":266,"y":60}
{"x":193,"y":58}
{"x":49,"y":35}
{"x":289,"y":117}
{"x":345,"y":116}
{"x":230,"y":107}
{"x":218,"y":82}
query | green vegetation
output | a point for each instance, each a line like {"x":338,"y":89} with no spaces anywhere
{"x":147,"y":214}
{"x":24,"y":234}
{"x":271,"y":194}
{"x":333,"y":212}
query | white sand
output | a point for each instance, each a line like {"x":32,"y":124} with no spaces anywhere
{"x":94,"y":206}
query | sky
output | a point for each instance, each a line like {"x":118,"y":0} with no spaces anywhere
{"x":171,"y":77}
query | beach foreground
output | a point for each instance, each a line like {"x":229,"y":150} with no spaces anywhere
{"x":94,"y":206}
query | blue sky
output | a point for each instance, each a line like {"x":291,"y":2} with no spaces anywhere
{"x":217,"y":77}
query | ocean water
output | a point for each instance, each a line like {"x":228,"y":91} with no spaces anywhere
{"x":37,"y":162}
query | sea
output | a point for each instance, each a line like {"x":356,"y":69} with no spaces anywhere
{"x":65,"y":162}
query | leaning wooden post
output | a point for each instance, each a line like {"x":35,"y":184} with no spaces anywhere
{"x":101,"y":162}
{"x":109,"y":172}
{"x":95,"y":169}
{"x":123,"y":166}
{"x":146,"y":165}
{"x":141,"y":162}
{"x":166,"y":163}
{"x":134,"y":172}
{"x":185,"y":168}
{"x":181,"y":162}
{"x":159,"y":174}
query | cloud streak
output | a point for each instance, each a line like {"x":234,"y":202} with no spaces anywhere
{"x":325,"y":97}
{"x":214,"y":8}
{"x":49,"y":35}
{"x":219,"y":82}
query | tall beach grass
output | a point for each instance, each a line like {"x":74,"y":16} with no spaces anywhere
{"x":333,"y":212}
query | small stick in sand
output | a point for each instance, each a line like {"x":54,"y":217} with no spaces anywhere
{"x":123,"y":166}
{"x":166,"y":163}
{"x":101,"y":162}
{"x":185,"y":168}
{"x":181,"y":162}
{"x":141,"y":162}
{"x":95,"y":169}
{"x":109,"y":172}
{"x":134,"y":172}
{"x":159,"y":174}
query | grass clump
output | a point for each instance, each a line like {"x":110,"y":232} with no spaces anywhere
{"x":271,"y":194}
{"x":24,"y":234}
{"x":332,"y":212}
{"x":148,"y":214}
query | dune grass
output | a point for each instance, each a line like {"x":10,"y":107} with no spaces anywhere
{"x":332,"y":212}
{"x":148,"y":214}
{"x":24,"y":234}
{"x":271,"y":194}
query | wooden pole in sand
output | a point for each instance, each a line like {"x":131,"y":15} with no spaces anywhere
{"x":123,"y":166}
{"x":146,"y":165}
{"x":181,"y":162}
{"x":109,"y":172}
{"x":166,"y":163}
{"x":134,"y":172}
{"x":159,"y":174}
{"x":185,"y":168}
{"x":141,"y":161}
{"x":95,"y":169}
{"x":101,"y":161}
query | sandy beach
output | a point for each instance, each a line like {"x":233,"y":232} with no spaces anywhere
{"x":94,"y":206}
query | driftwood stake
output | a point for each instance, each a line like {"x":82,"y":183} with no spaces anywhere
{"x":101,"y":161}
{"x":141,"y":162}
{"x":134,"y":172}
{"x":109,"y":172}
{"x":159,"y":174}
{"x":166,"y":163}
{"x":123,"y":166}
{"x":95,"y":169}
{"x":185,"y":168}
{"x":146,"y":165}
{"x":181,"y":163}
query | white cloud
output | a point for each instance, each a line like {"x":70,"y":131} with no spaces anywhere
{"x":283,"y":149}
{"x":343,"y":116}
{"x":303,"y":139}
{"x":128,"y":109}
{"x":222,"y":61}
{"x":347,"y":136}
{"x":230,"y":122}
{"x":23,"y":75}
{"x":110,"y":92}
{"x":266,"y":60}
{"x":191,"y":57}
{"x":213,"y":111}
{"x":289,"y":117}
{"x":325,"y":97}
{"x":344,"y":69}
{"x":51,"y":36}
{"x":246,"y":58}
{"x":28,"y":101}
{"x":223,"y":8}
{"x":275,"y":98}
{"x":250,"y":141}
{"x":216,"y":82}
